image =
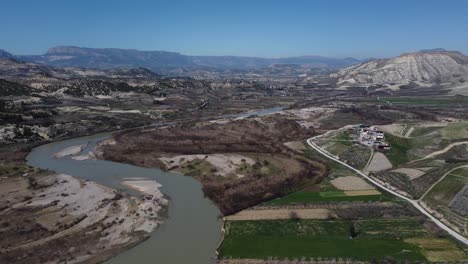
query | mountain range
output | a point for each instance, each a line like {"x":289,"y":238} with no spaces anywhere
{"x":108,"y":58}
{"x":11,"y":68}
{"x":425,"y":67}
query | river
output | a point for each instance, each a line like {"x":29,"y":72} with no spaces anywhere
{"x":189,"y":235}
{"x":192,"y":231}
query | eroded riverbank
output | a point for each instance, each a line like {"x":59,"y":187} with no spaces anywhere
{"x":192,"y":223}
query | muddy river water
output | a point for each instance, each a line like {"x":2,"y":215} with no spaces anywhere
{"x":192,"y":231}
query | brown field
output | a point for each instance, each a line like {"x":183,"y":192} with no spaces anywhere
{"x":362,"y":193}
{"x":379,"y":162}
{"x":351,"y":183}
{"x":271,"y":214}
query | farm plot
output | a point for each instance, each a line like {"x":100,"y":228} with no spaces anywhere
{"x":379,"y":162}
{"x":335,"y":168}
{"x":456,"y":131}
{"x":449,"y":198}
{"x":303,"y":197}
{"x":410,"y":172}
{"x":337,"y":142}
{"x":425,"y":130}
{"x":455,"y":154}
{"x":396,"y":179}
{"x":443,"y":193}
{"x":399,"y":153}
{"x":438,"y":249}
{"x":373,"y":239}
{"x":424,"y":182}
{"x":357,"y":156}
{"x":351,"y":183}
{"x":405,"y":150}
{"x":417,"y":186}
{"x":272,"y":214}
{"x":394,"y":129}
{"x":459,"y":203}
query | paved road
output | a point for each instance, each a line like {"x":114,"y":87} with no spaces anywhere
{"x":413,"y":202}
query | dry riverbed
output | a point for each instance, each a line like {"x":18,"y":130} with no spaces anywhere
{"x":55,"y":218}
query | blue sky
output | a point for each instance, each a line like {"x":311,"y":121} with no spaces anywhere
{"x":336,"y":28}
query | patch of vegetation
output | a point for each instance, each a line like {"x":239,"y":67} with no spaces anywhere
{"x":339,"y":143}
{"x":357,"y":156}
{"x":442,"y":194}
{"x":439,"y":249}
{"x":263,"y":167}
{"x":398,"y":154}
{"x":198,"y":168}
{"x":345,"y":138}
{"x":10,"y":169}
{"x":455,"y":131}
{"x":396,"y":179}
{"x":322,"y":197}
{"x":373,"y":239}
{"x":335,"y":169}
{"x":422,"y":131}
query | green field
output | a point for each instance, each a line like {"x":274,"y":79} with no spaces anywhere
{"x":456,"y":131}
{"x":321,"y":197}
{"x":444,"y":191}
{"x":398,"y":154}
{"x":422,"y":131}
{"x":290,"y":239}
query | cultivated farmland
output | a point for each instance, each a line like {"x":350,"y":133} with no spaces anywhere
{"x":360,"y":240}
{"x":449,"y":198}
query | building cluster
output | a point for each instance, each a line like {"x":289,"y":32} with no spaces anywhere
{"x":371,"y":136}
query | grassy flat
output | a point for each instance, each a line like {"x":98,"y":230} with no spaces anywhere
{"x":320,"y":197}
{"x":309,"y":238}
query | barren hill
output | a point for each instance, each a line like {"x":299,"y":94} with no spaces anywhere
{"x":430,"y":66}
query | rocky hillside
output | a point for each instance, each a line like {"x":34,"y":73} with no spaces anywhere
{"x":431,"y":66}
{"x":11,"y":88}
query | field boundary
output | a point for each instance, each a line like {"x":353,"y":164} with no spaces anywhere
{"x":415,"y":203}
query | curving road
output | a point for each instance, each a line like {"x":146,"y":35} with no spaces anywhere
{"x":415,"y":203}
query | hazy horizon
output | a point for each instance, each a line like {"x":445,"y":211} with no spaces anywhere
{"x":229,"y":55}
{"x":359,"y":29}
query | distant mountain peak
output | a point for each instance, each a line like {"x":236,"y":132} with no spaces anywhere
{"x":433,"y":50}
